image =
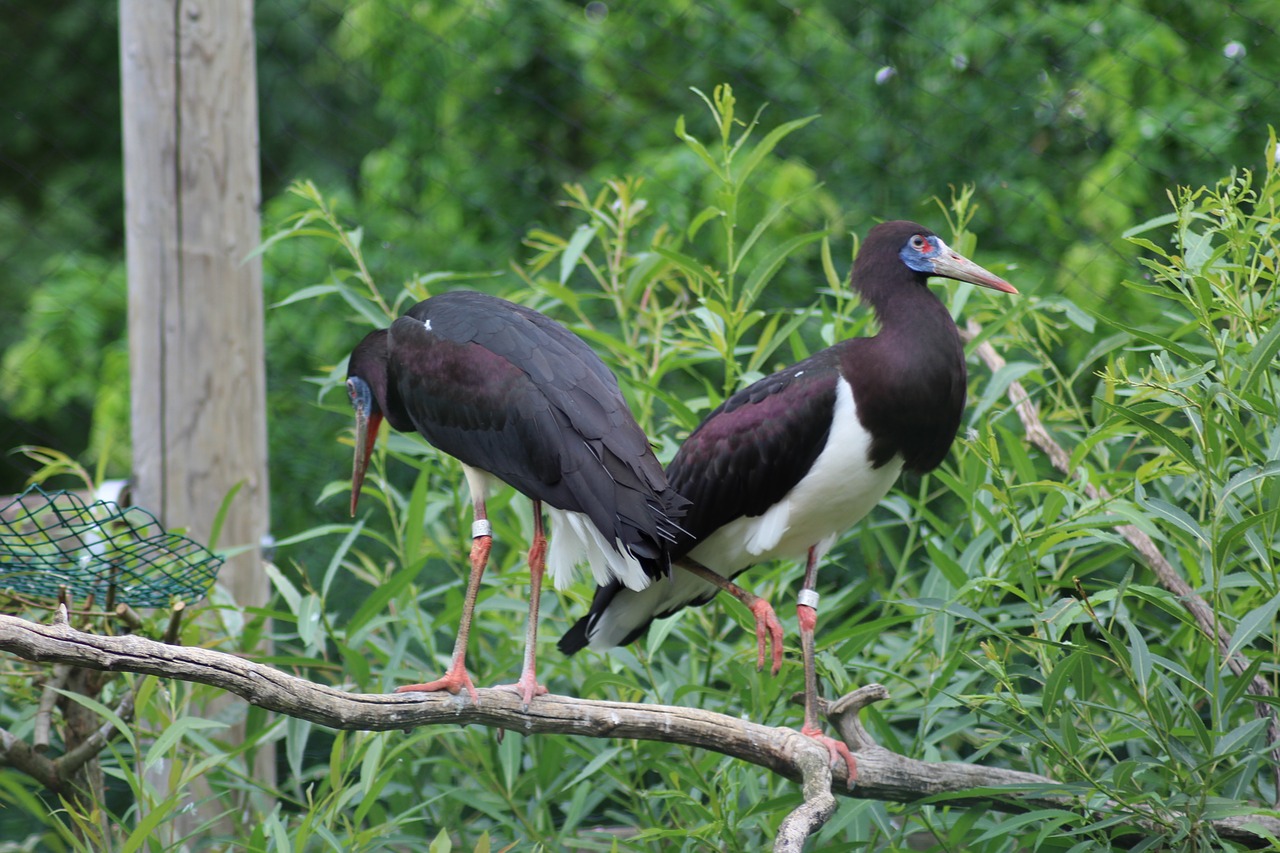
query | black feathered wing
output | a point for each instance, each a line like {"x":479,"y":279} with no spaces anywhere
{"x":508,"y":391}
{"x":746,"y":456}
{"x":752,"y":450}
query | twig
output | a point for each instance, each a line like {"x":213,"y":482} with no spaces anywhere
{"x":72,"y":761}
{"x":882,"y":775}
{"x":16,"y":752}
{"x":818,"y":805}
{"x":846,"y":715}
{"x":126,"y":614}
{"x":1164,"y":571}
{"x":43,"y":725}
{"x":174,"y":631}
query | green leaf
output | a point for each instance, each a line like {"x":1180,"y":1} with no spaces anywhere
{"x":362,"y":305}
{"x":699,"y":149}
{"x":770,"y":340}
{"x":289,"y":592}
{"x":1178,"y":517}
{"x":312,"y":292}
{"x":1262,"y":361}
{"x":691,"y":267}
{"x":1139,"y":657}
{"x":297,"y":733}
{"x":1146,"y":335}
{"x":1005,"y":828}
{"x":1254,"y":623}
{"x":173,"y":733}
{"x":999,"y":384}
{"x":604,"y":757}
{"x":510,"y":752}
{"x":707,"y":214}
{"x":1248,"y":476}
{"x":102,"y":711}
{"x":582,"y":237}
{"x":765,"y":146}
{"x":1158,"y":431}
{"x":144,"y":832}
{"x":340,"y":554}
{"x":415,"y":529}
{"x":220,"y":517}
{"x":767,"y":220}
{"x":441,"y":844}
{"x":1161,"y":221}
{"x":765,"y":271}
{"x":309,"y":613}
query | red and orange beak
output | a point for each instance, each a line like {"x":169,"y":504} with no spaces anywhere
{"x":367,"y":422}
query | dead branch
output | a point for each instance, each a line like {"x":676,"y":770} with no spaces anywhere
{"x":882,"y":775}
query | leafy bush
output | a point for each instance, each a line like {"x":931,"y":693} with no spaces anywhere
{"x":1010,"y":621}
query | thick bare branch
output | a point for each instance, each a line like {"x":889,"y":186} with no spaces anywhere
{"x":882,"y":775}
{"x":16,"y":752}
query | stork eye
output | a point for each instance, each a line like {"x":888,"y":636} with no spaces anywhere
{"x":919,"y":243}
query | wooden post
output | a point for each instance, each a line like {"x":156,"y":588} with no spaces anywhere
{"x":192,"y":199}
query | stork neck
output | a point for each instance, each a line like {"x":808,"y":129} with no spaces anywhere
{"x":905,"y":306}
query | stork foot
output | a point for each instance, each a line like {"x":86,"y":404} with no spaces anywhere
{"x":526,"y":688}
{"x":768,"y":631}
{"x":838,"y":750}
{"x":454,"y":680}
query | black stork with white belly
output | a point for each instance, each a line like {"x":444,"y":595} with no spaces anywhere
{"x":784,"y":466}
{"x":516,"y":397}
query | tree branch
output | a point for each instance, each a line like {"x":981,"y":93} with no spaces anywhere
{"x":882,"y":775}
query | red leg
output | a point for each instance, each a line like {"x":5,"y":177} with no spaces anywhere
{"x":807,"y":615}
{"x":768,"y":628}
{"x":457,"y":678}
{"x":528,"y":687}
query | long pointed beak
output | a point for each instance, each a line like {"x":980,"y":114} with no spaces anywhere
{"x":367,"y":422}
{"x":954,"y":265}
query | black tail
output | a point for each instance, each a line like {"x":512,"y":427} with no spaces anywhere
{"x":575,"y":639}
{"x":579,"y":636}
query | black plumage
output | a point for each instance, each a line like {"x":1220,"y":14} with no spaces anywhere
{"x":515,"y":396}
{"x":786,"y":464}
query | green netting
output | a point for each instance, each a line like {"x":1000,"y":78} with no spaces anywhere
{"x":53,"y":540}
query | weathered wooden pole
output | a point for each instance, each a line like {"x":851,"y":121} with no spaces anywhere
{"x":192,"y":199}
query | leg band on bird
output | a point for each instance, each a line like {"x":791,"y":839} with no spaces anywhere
{"x":807,"y":615}
{"x":457,"y":678}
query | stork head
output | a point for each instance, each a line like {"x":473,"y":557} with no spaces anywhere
{"x":367,"y":389}
{"x":927,"y":253}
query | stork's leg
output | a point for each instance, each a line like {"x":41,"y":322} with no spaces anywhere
{"x":768,"y":628}
{"x":528,"y":687}
{"x":457,"y":678}
{"x":807,"y":614}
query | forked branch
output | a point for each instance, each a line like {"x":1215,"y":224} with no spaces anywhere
{"x":882,"y":775}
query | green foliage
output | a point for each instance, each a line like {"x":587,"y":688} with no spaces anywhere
{"x":1011,"y":623}
{"x":994,"y":598}
{"x":75,"y":362}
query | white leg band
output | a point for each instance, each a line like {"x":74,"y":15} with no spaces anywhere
{"x":481,"y":527}
{"x":808,"y":598}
